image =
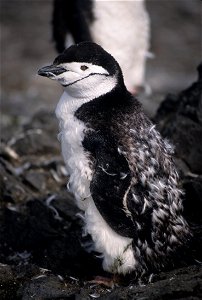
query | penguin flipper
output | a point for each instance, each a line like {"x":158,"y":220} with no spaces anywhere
{"x":110,"y":184}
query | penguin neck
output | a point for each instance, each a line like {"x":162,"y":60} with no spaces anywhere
{"x":100,"y":110}
{"x":71,"y":99}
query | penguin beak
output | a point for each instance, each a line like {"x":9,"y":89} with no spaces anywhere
{"x":51,"y":71}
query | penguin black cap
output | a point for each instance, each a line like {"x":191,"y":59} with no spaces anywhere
{"x":91,"y":53}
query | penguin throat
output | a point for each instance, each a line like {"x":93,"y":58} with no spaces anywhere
{"x":91,"y":87}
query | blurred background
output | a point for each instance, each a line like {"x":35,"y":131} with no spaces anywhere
{"x":26,"y":45}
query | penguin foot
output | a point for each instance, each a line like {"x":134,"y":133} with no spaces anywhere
{"x":105,"y":281}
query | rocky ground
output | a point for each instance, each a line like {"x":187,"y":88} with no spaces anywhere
{"x":42,"y":252}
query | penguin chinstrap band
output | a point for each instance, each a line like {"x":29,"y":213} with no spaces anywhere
{"x":121,"y":171}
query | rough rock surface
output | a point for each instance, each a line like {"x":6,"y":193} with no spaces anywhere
{"x":179,"y":119}
{"x":42,"y":251}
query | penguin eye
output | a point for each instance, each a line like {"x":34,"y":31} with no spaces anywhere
{"x":83,"y":67}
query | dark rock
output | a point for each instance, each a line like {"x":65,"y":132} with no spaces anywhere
{"x":31,"y":282}
{"x":8,"y":282}
{"x":179,"y":119}
{"x":64,"y":204}
{"x":35,"y":141}
{"x":11,"y":187}
{"x":39,"y":136}
{"x":192,"y":211}
{"x":30,"y":162}
{"x":45,"y":120}
{"x":187,"y":103}
{"x":183,"y":283}
{"x":186,"y":135}
{"x":193,"y":207}
{"x":49,"y":240}
{"x":36,"y":179}
{"x":46,"y":287}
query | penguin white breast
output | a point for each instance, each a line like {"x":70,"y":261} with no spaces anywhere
{"x":77,"y":162}
{"x":116,"y":250}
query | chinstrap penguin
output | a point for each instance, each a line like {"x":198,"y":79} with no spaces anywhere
{"x":121,"y":171}
{"x":121,"y":27}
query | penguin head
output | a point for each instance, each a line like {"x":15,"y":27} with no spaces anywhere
{"x":83,"y":69}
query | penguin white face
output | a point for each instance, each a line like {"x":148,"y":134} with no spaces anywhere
{"x":84,"y":70}
{"x":72,"y":73}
